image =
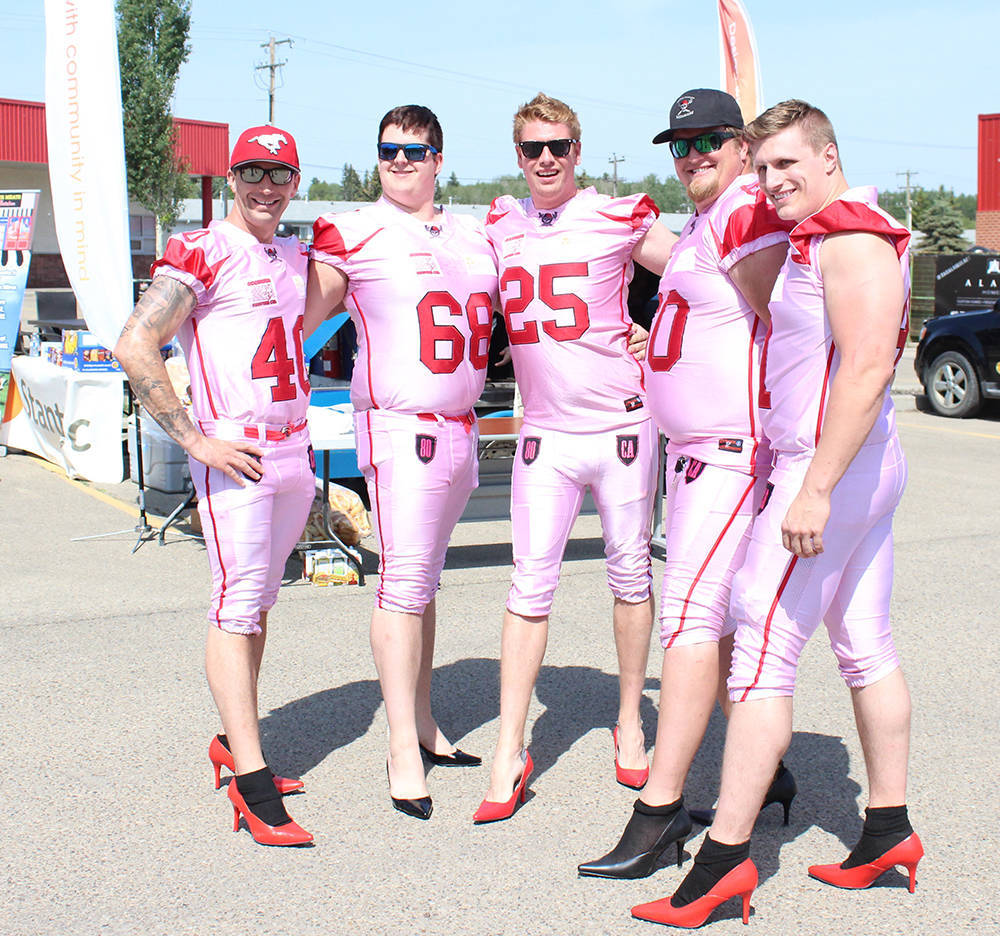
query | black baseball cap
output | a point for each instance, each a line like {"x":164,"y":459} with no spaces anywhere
{"x":702,"y":107}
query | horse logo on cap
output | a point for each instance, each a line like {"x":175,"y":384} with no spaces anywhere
{"x":684,"y":107}
{"x":270,"y":141}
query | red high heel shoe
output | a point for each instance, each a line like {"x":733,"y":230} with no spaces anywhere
{"x":291,"y":833}
{"x":633,"y":777}
{"x":907,"y":853}
{"x":221,"y":756}
{"x":490,"y":811}
{"x":740,"y":882}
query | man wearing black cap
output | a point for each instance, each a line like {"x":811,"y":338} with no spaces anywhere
{"x":702,"y":374}
{"x":235,"y":295}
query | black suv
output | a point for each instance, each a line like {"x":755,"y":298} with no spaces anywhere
{"x":958,"y":360}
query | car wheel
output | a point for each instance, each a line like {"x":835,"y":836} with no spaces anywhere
{"x":952,"y":385}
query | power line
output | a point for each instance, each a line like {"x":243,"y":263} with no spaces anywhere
{"x":614,"y":160}
{"x":909,"y":206}
{"x":272,"y":66}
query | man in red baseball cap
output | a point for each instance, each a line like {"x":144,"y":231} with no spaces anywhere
{"x":234,"y":295}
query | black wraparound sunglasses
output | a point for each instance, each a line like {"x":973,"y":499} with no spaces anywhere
{"x":532,"y":149}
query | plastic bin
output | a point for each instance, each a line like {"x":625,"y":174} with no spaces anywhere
{"x":164,"y":463}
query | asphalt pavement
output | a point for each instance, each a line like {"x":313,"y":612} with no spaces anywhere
{"x":110,"y":823}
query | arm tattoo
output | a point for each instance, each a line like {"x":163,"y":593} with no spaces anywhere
{"x":154,"y":321}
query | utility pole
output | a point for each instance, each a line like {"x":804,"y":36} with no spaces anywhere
{"x":272,"y":66}
{"x":909,"y":207}
{"x":614,"y":160}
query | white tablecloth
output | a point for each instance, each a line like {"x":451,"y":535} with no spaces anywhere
{"x":72,"y":419}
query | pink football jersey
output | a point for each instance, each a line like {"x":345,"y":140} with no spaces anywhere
{"x":800,"y":358}
{"x":564,"y":278}
{"x":703,"y":358}
{"x":421,"y":296}
{"x":243,"y":342}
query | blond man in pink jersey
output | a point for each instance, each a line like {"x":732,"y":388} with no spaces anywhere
{"x":702,"y":368}
{"x":234,"y":295}
{"x":821,"y":548}
{"x":420,"y":285}
{"x":565,"y":259}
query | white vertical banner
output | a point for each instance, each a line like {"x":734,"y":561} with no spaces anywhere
{"x":739,"y":67}
{"x":83,"y":121}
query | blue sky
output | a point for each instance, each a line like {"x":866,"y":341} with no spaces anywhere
{"x":902,"y":82}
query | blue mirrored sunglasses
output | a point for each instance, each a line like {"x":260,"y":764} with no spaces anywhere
{"x":414,"y":152}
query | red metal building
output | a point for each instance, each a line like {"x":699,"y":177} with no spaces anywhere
{"x":202,"y":147}
{"x":988,"y":198}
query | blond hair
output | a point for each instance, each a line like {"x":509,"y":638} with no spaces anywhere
{"x":815,"y":125}
{"x":551,"y":110}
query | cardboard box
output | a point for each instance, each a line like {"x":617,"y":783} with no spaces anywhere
{"x":83,"y":352}
{"x":164,"y":463}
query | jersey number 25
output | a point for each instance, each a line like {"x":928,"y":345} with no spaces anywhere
{"x":548,"y":273}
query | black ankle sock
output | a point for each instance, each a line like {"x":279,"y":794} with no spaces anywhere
{"x":262,"y":799}
{"x":712,"y":863}
{"x":645,"y":826}
{"x":885,"y":827}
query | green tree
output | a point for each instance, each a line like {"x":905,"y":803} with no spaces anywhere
{"x":966,"y":204}
{"x":152,"y":46}
{"x":324,"y":191}
{"x":350,"y":182}
{"x":941,"y":223}
{"x":452,"y":183}
{"x":371,"y":187}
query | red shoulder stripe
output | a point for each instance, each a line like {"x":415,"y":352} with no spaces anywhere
{"x":842,"y":216}
{"x":642,"y":209}
{"x":189,"y":259}
{"x":749,"y":223}
{"x":329,"y":240}
{"x":495,"y":214}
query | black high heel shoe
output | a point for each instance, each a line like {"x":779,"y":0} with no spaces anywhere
{"x":420,"y":808}
{"x":456,"y":758}
{"x":782,"y":790}
{"x":639,"y":852}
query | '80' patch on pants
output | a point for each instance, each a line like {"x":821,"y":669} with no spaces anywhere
{"x":552,"y":472}
{"x":420,"y":472}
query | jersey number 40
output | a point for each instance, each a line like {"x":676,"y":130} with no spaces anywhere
{"x":271,"y":360}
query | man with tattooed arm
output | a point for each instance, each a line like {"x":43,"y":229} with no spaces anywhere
{"x":234,"y":295}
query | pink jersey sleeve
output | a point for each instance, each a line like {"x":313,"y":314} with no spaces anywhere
{"x":564,"y":278}
{"x":800,"y":357}
{"x":185,"y":260}
{"x":750,"y":226}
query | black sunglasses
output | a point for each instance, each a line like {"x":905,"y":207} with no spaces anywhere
{"x":279,"y":175}
{"x":414,"y":152}
{"x":703,"y":143}
{"x":532,"y":149}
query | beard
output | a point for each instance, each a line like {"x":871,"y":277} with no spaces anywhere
{"x":704,"y":187}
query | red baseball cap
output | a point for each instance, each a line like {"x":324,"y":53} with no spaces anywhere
{"x":265,"y":144}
